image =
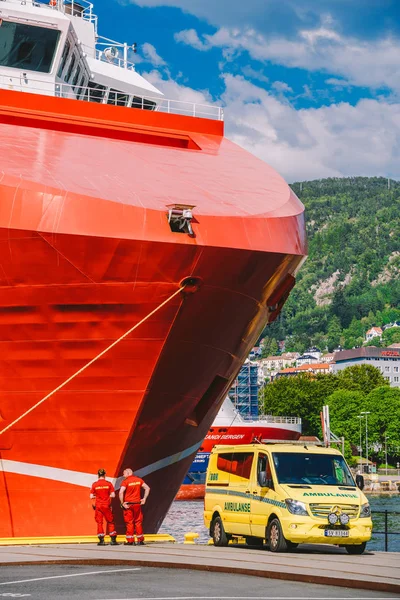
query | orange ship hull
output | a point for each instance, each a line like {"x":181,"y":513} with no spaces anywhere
{"x":87,"y":252}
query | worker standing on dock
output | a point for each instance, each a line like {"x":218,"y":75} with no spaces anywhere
{"x":131,"y":503}
{"x":102,"y":491}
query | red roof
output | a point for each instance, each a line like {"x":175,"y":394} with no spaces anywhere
{"x":312,"y":367}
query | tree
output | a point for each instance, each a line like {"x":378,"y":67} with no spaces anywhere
{"x":269,"y":347}
{"x":391,"y":336}
{"x":344,"y":406}
{"x":383,"y":403}
{"x":364,"y":378}
{"x":299,"y":396}
{"x":334,"y":333}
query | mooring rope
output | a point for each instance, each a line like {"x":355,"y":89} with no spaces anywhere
{"x":92,"y":361}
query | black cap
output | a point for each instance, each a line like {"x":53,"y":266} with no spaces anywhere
{"x":101,"y":472}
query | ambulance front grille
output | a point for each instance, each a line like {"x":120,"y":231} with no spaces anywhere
{"x":321,"y":511}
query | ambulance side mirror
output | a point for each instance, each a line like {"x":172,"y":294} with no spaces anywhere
{"x":263,"y":481}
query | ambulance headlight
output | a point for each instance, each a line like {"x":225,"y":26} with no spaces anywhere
{"x":296,"y":507}
{"x":344,"y":519}
{"x":365,"y":510}
{"x":332,"y":518}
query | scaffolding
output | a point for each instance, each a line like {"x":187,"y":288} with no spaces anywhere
{"x":244,"y":391}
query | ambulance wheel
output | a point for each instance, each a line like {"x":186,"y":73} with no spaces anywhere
{"x":356,"y":548}
{"x":275,"y":537}
{"x":254,"y":541}
{"x":218,"y":533}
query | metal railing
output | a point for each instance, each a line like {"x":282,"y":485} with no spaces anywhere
{"x":117,"y":98}
{"x":271,"y":419}
{"x":80,"y":8}
{"x":118,"y":61}
{"x":386,"y":523}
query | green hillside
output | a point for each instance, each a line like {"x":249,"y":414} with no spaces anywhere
{"x":351,"y":279}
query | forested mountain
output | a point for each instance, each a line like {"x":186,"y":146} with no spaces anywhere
{"x":351,"y":279}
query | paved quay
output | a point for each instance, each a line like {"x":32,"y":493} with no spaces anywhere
{"x":310,"y":564}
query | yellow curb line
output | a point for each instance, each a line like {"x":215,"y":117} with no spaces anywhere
{"x":82,"y":539}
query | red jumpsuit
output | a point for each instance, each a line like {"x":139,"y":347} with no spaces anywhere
{"x":133,"y":516}
{"x":102,"y":490}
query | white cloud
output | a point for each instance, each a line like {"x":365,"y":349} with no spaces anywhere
{"x":282,"y":87}
{"x":331,"y":141}
{"x":150,"y":55}
{"x":191,"y":38}
{"x":371,"y":64}
{"x":254,"y":74}
{"x":338,"y":83}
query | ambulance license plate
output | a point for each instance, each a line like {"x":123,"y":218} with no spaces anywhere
{"x":336,"y":533}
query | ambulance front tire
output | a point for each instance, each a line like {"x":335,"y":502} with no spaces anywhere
{"x":275,"y":537}
{"x":356,"y":548}
{"x":220,"y":538}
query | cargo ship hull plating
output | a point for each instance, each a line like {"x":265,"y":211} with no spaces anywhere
{"x":87,"y":252}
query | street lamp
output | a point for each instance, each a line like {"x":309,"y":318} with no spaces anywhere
{"x":386,"y":452}
{"x":366,"y":413}
{"x":360,"y":417}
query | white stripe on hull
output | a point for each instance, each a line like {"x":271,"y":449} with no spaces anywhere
{"x":86,"y":479}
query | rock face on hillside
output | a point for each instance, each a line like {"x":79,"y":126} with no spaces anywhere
{"x":351,"y":279}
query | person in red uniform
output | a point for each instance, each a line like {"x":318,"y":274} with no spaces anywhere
{"x":101,"y":492}
{"x":132,"y":502}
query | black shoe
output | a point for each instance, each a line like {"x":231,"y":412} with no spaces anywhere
{"x":129,"y":544}
{"x":101,"y":542}
{"x":141,"y":543}
{"x":114,"y":542}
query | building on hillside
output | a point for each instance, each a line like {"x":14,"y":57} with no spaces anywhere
{"x":308,"y":368}
{"x":387,"y":360}
{"x":316,"y":352}
{"x":328,"y":358}
{"x":255,"y":352}
{"x":391,"y":325}
{"x":306,"y":359}
{"x":244,"y":391}
{"x":373,"y":333}
{"x":268,"y":367}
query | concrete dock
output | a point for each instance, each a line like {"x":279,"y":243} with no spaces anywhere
{"x":312,"y":564}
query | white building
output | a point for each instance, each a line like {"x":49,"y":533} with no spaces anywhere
{"x":387,"y":360}
{"x":268,"y":367}
{"x":373,"y":333}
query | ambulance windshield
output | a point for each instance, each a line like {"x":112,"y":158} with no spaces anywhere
{"x":312,"y":469}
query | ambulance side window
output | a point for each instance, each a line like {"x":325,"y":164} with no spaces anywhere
{"x":264,"y":475}
{"x":241,"y":464}
{"x":224,"y":462}
{"x":238,"y":464}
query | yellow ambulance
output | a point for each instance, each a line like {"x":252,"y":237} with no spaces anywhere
{"x":286,"y":494}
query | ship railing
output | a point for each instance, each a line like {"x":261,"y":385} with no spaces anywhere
{"x":118,"y":61}
{"x":273,"y":419}
{"x":76,"y":8}
{"x":116,"y":98}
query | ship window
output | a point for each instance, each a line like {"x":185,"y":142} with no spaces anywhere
{"x":143,"y":103}
{"x":81,"y":85}
{"x":64,"y":57}
{"x":76,"y":77}
{"x":27,"y":47}
{"x":96,"y":92}
{"x":117,"y":98}
{"x":71,"y":68}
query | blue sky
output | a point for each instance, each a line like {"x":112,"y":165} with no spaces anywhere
{"x":310,"y":86}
